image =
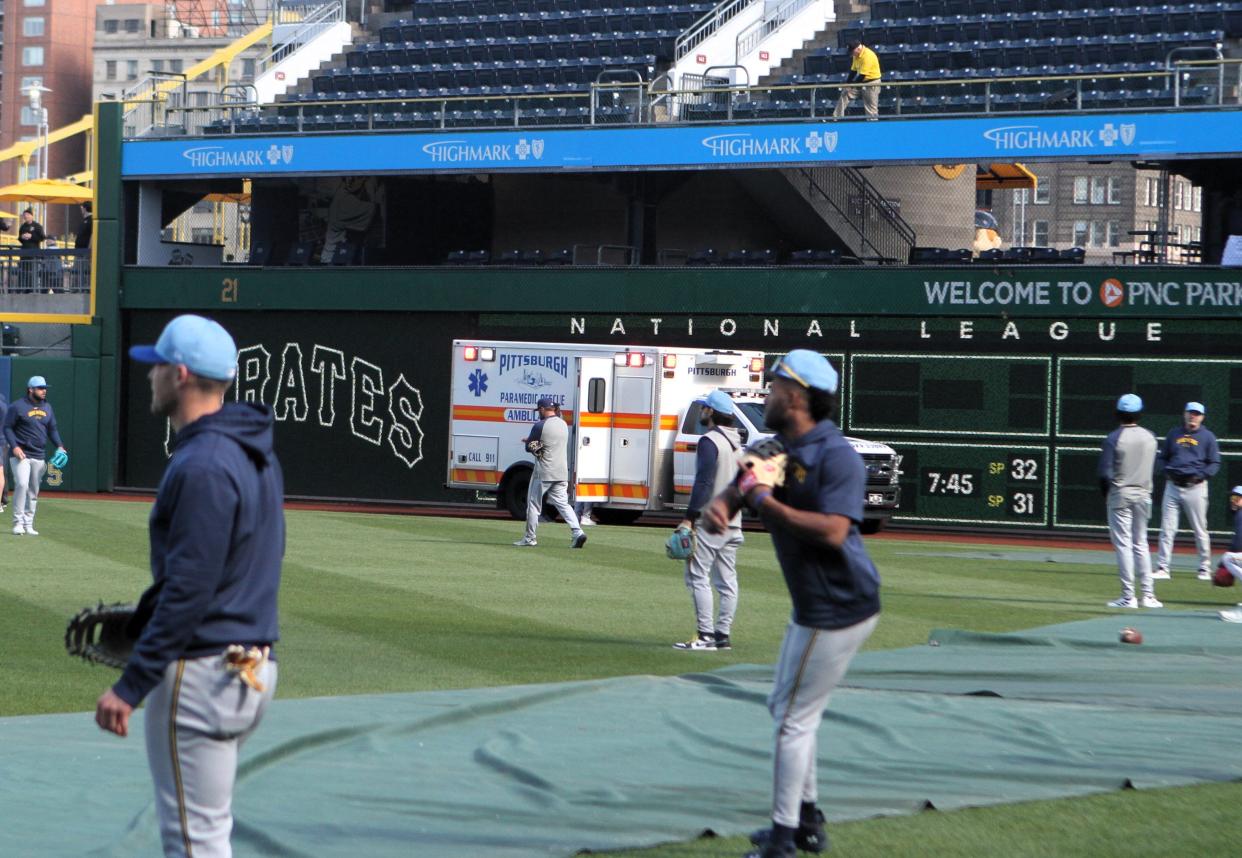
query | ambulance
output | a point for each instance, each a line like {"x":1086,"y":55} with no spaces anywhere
{"x":633,"y":413}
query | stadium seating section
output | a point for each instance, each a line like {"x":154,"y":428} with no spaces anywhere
{"x":524,"y":61}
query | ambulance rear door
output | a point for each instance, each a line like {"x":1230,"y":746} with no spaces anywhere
{"x":593,"y":429}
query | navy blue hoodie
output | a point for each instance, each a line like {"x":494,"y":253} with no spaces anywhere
{"x":217,"y":539}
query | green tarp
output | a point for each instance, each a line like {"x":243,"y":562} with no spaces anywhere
{"x":550,"y":770}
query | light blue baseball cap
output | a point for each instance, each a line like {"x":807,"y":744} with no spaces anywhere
{"x":809,"y":369}
{"x":1196,"y":406}
{"x":1236,"y":490}
{"x":720,"y":402}
{"x":1130,"y":404}
{"x":203,"y":346}
{"x":37,"y":381}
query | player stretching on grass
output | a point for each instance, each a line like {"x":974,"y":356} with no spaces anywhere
{"x":812,"y":511}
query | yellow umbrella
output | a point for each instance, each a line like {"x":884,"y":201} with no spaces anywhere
{"x":46,"y":191}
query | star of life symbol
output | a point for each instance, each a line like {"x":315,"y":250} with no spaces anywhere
{"x":478,"y":382}
{"x":1109,"y":134}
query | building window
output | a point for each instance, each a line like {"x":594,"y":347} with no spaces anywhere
{"x":132,"y":25}
{"x":248,"y":69}
{"x":1114,"y":191}
{"x":1097,"y":191}
{"x":1043,"y":193}
{"x":157,"y":65}
{"x":111,"y":25}
{"x":1080,"y":190}
{"x":1197,"y":233}
{"x":29,"y":115}
{"x":1021,"y":196}
{"x":131,"y":70}
{"x":1199,"y":199}
{"x":202,"y":235}
{"x":1177,"y":196}
{"x":30,"y":3}
{"x":1039,"y":233}
{"x":1080,"y":233}
{"x":1114,"y":233}
{"x":110,"y":70}
{"x":175,"y":66}
{"x":201,"y":99}
{"x":28,"y":82}
{"x":32,"y":26}
{"x":32,"y":55}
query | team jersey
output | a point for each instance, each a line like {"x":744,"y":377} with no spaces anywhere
{"x":830,"y":588}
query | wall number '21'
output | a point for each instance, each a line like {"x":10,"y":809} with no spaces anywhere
{"x":228,"y":294}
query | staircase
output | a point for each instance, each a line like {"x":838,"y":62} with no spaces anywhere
{"x":847,"y":12}
{"x":856,"y":212}
{"x":358,"y":35}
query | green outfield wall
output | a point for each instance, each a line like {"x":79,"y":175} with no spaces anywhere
{"x":997,"y":385}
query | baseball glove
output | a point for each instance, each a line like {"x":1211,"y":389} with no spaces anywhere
{"x":762,"y":464}
{"x":680,"y":544}
{"x":102,"y":634}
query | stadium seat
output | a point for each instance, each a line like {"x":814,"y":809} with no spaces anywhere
{"x":260,"y":252}
{"x":300,"y":253}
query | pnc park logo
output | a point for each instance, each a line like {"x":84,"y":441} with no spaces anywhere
{"x":1112,"y":292}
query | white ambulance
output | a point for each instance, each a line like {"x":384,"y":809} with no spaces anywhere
{"x":633,"y":412}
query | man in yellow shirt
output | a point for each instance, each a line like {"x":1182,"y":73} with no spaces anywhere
{"x":865,"y":70}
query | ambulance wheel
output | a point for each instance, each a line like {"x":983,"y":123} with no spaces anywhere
{"x":617,"y":516}
{"x":516,"y":487}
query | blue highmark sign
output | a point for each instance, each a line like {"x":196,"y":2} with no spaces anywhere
{"x":1078,"y":136}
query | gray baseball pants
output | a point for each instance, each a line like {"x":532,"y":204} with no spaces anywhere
{"x":27,"y":475}
{"x":1193,"y":500}
{"x":1127,"y":528}
{"x":555,"y":492}
{"x":812,"y":663}
{"x":714,"y":564}
{"x":196,"y":721}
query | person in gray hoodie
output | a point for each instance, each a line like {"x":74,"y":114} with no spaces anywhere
{"x":714,"y":561}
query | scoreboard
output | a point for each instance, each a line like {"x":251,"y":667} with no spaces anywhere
{"x":974,"y":483}
{"x":1014,"y":440}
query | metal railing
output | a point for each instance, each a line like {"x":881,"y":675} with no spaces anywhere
{"x":860,"y":209}
{"x":51,"y":271}
{"x":753,"y":36}
{"x":311,"y":19}
{"x":704,"y":27}
{"x":707,"y":101}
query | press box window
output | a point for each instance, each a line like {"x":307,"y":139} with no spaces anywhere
{"x":596,"y":389}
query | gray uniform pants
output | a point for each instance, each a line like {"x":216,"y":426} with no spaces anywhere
{"x":196,"y":721}
{"x":27,"y":474}
{"x":811,"y":664}
{"x":557,"y":496}
{"x":1192,"y":499}
{"x":1127,"y":528}
{"x":714,"y":564}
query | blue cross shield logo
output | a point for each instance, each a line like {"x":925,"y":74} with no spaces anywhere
{"x":478,"y":382}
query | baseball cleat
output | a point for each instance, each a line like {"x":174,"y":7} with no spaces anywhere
{"x":810,"y":836}
{"x":578,"y":541}
{"x":722,"y":641}
{"x":1205,"y":575}
{"x":1123,"y":602}
{"x":30,"y":531}
{"x":1232,"y":616}
{"x":18,"y":530}
{"x":765,"y":848}
{"x":526,"y":543}
{"x":1161,"y":575}
{"x":1151,"y":602}
{"x":585,"y":521}
{"x":699,"y":643}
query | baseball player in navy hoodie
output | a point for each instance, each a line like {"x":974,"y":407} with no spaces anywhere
{"x":203,"y":661}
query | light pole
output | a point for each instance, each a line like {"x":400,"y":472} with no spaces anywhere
{"x":35,"y":94}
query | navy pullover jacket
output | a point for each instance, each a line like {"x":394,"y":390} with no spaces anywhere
{"x":1185,"y":454}
{"x":28,"y":424}
{"x":1236,"y":545}
{"x":217,"y":539}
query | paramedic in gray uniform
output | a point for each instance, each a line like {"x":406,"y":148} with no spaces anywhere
{"x":203,"y":660}
{"x":714,"y":561}
{"x":834,"y":586}
{"x":548,"y":442}
{"x":1127,"y":462}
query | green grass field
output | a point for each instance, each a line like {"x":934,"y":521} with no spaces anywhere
{"x":375,"y":603}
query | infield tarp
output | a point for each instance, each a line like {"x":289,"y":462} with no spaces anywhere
{"x":550,"y":770}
